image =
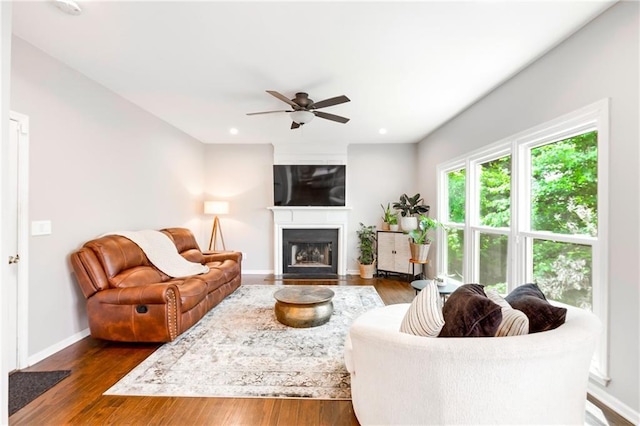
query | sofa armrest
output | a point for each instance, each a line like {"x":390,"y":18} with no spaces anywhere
{"x":153,"y":294}
{"x":221,"y":256}
{"x":136,"y":314}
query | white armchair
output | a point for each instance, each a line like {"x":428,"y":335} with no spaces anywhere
{"x":397,"y":378}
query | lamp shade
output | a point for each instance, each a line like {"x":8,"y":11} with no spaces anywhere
{"x":302,"y":117}
{"x":216,"y":207}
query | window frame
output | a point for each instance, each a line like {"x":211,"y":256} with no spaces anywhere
{"x":591,"y":117}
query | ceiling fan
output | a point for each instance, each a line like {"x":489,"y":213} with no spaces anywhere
{"x":304,"y":108}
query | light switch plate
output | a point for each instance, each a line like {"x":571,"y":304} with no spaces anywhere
{"x":40,"y":227}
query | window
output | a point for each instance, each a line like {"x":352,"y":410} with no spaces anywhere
{"x":532,"y":208}
{"x":455,"y":183}
{"x":563,"y":203}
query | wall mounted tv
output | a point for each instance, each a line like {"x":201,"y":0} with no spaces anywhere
{"x":309,"y":185}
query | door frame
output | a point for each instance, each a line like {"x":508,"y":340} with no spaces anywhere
{"x":22,"y":302}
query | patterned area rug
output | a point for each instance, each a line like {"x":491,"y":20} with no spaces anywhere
{"x":239,"y":349}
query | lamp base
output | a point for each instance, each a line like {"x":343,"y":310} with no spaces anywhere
{"x":214,"y":235}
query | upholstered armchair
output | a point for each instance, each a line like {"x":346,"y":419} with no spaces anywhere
{"x":398,"y":378}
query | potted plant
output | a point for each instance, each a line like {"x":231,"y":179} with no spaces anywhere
{"x":367,"y":246}
{"x":386,"y":216}
{"x":409,"y":207}
{"x":393,"y":222}
{"x":419,"y":241}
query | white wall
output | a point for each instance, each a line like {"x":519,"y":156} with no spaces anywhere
{"x":243,"y":175}
{"x":600,"y":61}
{"x":97,"y":164}
{"x":376,"y":174}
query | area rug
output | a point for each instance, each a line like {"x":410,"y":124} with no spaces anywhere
{"x":239,"y":349}
{"x":25,"y":386}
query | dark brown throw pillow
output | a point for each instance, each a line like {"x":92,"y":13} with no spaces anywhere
{"x":542,"y":315}
{"x":468,"y":312}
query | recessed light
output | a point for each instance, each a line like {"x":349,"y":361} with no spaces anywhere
{"x":233,"y":131}
{"x":382,"y":131}
{"x":69,"y":7}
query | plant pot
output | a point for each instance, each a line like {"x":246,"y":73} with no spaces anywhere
{"x":419,"y":252}
{"x":394,"y":228}
{"x":385,"y":226}
{"x":367,"y":271}
{"x":409,"y":223}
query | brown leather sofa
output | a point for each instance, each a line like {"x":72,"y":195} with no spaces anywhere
{"x":130,"y":300}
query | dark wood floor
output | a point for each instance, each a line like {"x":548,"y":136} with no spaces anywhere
{"x":97,"y":365}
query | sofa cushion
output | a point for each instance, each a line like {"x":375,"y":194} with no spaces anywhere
{"x":186,"y":243}
{"x":542,"y":315}
{"x":230,"y":268}
{"x":136,"y":276}
{"x":117,"y":254}
{"x":192,"y":291}
{"x":468,"y":312}
{"x":424,"y":317}
{"x":214,"y":279}
{"x":514,"y":322}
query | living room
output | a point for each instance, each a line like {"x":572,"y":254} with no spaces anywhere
{"x":99,"y":163}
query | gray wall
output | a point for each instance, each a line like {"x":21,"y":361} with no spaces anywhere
{"x":97,"y":164}
{"x":600,"y":61}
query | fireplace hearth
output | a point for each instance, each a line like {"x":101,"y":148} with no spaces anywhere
{"x":310,"y":253}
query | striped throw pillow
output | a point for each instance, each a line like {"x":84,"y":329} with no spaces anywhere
{"x":424,"y":317}
{"x":514,"y":322}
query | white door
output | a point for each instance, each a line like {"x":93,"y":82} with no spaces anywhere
{"x":12,"y":244}
{"x":16,"y":240}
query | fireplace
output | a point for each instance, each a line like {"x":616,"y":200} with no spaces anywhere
{"x":334,"y":219}
{"x":309,"y":252}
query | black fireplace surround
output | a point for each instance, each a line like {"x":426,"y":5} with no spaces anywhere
{"x":310,"y":253}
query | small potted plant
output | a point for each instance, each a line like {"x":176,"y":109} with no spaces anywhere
{"x":389,"y":217}
{"x":367,"y":246}
{"x":409,"y":207}
{"x":393,"y":222}
{"x":386,"y":216}
{"x":419,"y":241}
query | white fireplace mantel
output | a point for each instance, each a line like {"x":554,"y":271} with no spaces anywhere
{"x":310,"y":218}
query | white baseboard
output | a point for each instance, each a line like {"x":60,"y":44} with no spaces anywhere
{"x":257,"y":272}
{"x":614,"y":404}
{"x":36,"y":358}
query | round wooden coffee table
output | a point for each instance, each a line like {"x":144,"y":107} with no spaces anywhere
{"x":303,"y":306}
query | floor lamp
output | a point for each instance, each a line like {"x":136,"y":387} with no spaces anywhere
{"x":216,"y":208}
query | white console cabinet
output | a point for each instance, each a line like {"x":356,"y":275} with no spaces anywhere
{"x":393,"y":253}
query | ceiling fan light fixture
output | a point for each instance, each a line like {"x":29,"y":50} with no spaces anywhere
{"x":302,"y":117}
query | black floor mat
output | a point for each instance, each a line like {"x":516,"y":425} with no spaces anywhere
{"x":25,"y":386}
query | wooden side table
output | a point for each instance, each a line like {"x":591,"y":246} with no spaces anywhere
{"x":423,"y":265}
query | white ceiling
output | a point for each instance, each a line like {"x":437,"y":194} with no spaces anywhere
{"x":201,"y":66}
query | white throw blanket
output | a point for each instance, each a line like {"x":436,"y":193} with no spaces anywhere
{"x":161,"y":251}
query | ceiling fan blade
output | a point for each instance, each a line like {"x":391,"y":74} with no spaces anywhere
{"x":331,"y":117}
{"x":267,"y":112}
{"x":283,"y":98}
{"x":294,"y":125}
{"x":330,"y":102}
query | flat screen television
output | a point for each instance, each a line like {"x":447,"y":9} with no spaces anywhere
{"x":309,"y":185}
